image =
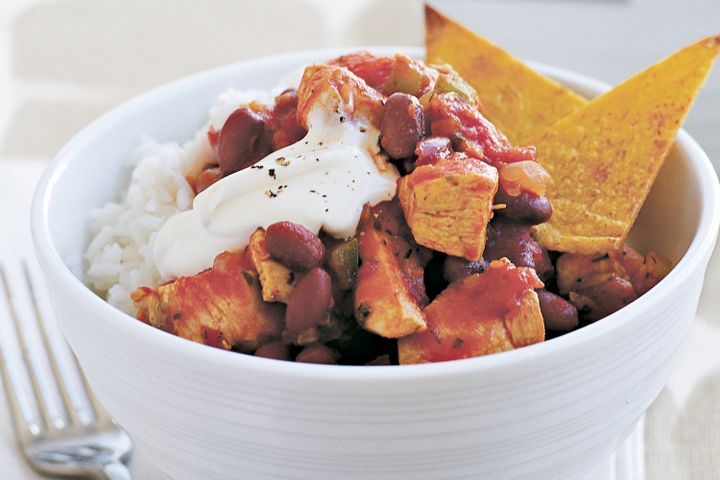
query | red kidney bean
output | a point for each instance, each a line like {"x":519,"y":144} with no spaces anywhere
{"x":401,"y":126}
{"x":294,"y":245}
{"x":559,"y":314}
{"x":526,"y":207}
{"x":514,"y":241}
{"x":310,"y":302}
{"x":600,"y":300}
{"x":276,"y":350}
{"x":456,"y":268}
{"x":318,"y":353}
{"x":241,"y":141}
{"x":207,"y":178}
{"x":432,"y":149}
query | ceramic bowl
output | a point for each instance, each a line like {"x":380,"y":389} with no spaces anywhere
{"x":553,"y":411}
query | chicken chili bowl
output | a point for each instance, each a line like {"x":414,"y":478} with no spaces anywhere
{"x":551,"y":410}
{"x":365,"y":213}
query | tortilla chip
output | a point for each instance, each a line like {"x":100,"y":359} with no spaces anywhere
{"x":517,"y":99}
{"x":604,"y":158}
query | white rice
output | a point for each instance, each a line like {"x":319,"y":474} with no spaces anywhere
{"x":119,"y":258}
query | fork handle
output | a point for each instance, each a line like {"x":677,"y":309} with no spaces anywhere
{"x":114,"y":471}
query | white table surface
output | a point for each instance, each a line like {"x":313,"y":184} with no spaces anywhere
{"x":62,"y":63}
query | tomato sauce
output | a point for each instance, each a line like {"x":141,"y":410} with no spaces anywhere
{"x":467,"y":319}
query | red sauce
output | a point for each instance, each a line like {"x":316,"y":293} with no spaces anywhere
{"x":467,"y":319}
{"x":282,"y":122}
{"x":451,"y":116}
{"x":374,"y":70}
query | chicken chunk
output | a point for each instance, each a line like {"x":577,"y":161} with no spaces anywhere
{"x":389,"y":290}
{"x":388,"y":218}
{"x":481,"y":314}
{"x":448,"y":204}
{"x":599,"y":285}
{"x":221,"y":306}
{"x":335,"y":88}
{"x":277,"y":280}
{"x":576,"y":271}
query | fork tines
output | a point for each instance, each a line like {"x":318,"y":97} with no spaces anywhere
{"x":44,"y":386}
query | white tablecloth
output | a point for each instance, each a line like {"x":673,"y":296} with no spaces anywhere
{"x":64,"y":63}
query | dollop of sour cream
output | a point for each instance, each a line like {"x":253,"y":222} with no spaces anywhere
{"x":321,"y":182}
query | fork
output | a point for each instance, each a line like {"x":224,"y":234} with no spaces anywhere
{"x":60,"y":427}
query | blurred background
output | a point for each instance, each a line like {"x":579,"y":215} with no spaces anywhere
{"x":64,"y":62}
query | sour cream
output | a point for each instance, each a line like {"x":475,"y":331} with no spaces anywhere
{"x":320,"y":182}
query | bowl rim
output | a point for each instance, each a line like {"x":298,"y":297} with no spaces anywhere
{"x":50,"y":259}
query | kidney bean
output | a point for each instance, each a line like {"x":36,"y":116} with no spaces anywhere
{"x":310,"y":302}
{"x":207,"y":178}
{"x":318,"y":353}
{"x":432,"y":149}
{"x":401,"y":125}
{"x":559,"y":314}
{"x":526,"y":207}
{"x":294,"y":245}
{"x":241,"y":141}
{"x":601,"y":299}
{"x":276,"y":350}
{"x":456,"y":268}
{"x":514,"y":241}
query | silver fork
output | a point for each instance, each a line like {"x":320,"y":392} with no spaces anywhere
{"x":60,"y":427}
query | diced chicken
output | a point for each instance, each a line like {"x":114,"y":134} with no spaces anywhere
{"x":526,"y":325}
{"x":448,"y":204}
{"x":277,"y":280}
{"x":653,"y":269}
{"x":221,"y":307}
{"x":575,"y":271}
{"x":389,"y":290}
{"x":599,"y":285}
{"x":483,"y":313}
{"x":335,"y":88}
{"x":411,"y":257}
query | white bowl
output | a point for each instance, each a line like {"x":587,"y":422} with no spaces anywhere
{"x":552,"y":411}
